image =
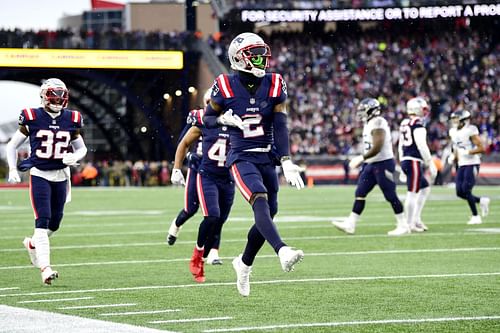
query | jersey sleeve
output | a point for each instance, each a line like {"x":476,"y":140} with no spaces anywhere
{"x":217,"y":91}
{"x":76,"y":119}
{"x":473,"y":130}
{"x":379,"y":122}
{"x":26,"y":116}
{"x":278,"y":89}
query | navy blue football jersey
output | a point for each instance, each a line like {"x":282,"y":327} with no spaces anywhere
{"x":49,"y":137}
{"x":406,"y":129}
{"x":215,"y":146}
{"x":256,"y":111}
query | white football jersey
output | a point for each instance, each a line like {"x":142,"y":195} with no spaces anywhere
{"x":386,"y":152}
{"x":461,"y":139}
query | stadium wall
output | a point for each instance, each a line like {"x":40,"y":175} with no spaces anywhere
{"x":168,"y":17}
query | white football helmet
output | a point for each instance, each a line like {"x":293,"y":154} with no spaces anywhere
{"x":417,"y":106}
{"x":460,"y":118}
{"x":367,"y":109}
{"x":249,"y":53}
{"x":54,"y":95}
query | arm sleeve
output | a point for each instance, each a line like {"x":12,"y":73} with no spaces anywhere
{"x":210,"y":117}
{"x":420,"y":136}
{"x":79,"y":148}
{"x":14,"y":143}
{"x":281,"y":134}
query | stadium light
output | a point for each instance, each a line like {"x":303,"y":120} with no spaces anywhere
{"x":166,"y":96}
{"x":192,"y":90}
{"x":144,"y":129}
{"x":178,"y":93}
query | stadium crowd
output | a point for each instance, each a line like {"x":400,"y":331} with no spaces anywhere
{"x":112,"y":39}
{"x":327,"y":74}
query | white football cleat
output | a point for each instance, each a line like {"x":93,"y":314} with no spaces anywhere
{"x":421,"y":225}
{"x":416,"y":228}
{"x":48,"y":275}
{"x":400,"y":230}
{"x":475,"y":220}
{"x":28,"y":244}
{"x":345,"y":226}
{"x":213,"y":257}
{"x":484,"y":203}
{"x":173,"y":231}
{"x":242,"y":276}
{"x":289,"y":257}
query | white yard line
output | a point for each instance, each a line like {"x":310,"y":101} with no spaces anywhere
{"x":55,"y":300}
{"x":265,"y":256}
{"x":239,"y":240}
{"x":9,"y":288}
{"x":352,"y":323}
{"x":131,"y":313}
{"x":98,"y":306}
{"x":286,"y":281}
{"x":25,"y":320}
{"x":190,"y":320}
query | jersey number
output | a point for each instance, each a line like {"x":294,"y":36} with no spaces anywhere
{"x":406,"y":135}
{"x":53,"y":145}
{"x":252,"y":127}
{"x":218,"y":152}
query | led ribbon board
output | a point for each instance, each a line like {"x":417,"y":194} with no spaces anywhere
{"x":370,"y":14}
{"x":63,"y":58}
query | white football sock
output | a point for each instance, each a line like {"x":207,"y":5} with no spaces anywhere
{"x":42,"y":245}
{"x":353,"y":218}
{"x":423,"y":194}
{"x":411,"y":207}
{"x":400,"y":218}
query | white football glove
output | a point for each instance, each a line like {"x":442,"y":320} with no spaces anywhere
{"x":356,"y":161}
{"x":69,"y":159}
{"x":14,"y":177}
{"x":402,"y":177}
{"x":291,"y":172}
{"x":177,"y":177}
{"x":432,"y":170}
{"x":230,"y":119}
{"x":451,"y":159}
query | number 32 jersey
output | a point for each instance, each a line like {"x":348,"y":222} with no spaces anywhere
{"x":256,"y":111}
{"x":49,"y":137}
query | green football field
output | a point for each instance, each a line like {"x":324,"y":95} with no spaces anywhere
{"x":115,"y":266}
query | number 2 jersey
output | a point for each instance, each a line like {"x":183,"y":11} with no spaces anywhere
{"x":386,"y":152}
{"x":462,"y":143}
{"x":254,"y":142}
{"x":49,"y":137}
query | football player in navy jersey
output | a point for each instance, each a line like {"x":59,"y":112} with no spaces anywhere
{"x":378,"y":166}
{"x":214,"y":185}
{"x":52,"y":129}
{"x":191,"y":203}
{"x":251,"y":103}
{"x":415,"y":157}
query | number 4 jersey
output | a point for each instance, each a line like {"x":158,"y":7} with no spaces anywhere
{"x":214,"y":146}
{"x":49,"y":137}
